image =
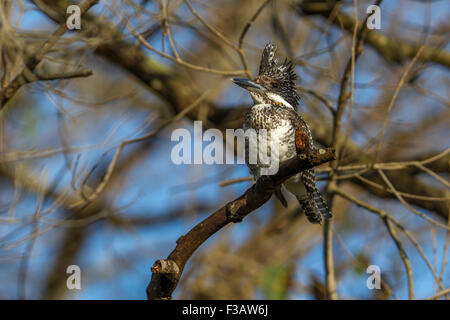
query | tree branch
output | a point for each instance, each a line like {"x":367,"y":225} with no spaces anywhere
{"x":391,"y":49}
{"x":167,"y":272}
{"x":32,"y":62}
{"x":84,"y":73}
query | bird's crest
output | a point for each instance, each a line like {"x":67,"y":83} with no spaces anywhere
{"x":279,"y":78}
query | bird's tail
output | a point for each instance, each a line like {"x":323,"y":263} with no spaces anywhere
{"x":314,"y":206}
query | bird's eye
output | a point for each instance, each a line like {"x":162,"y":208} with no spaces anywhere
{"x":275,"y":85}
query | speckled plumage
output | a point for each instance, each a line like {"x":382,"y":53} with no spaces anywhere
{"x":278,"y":116}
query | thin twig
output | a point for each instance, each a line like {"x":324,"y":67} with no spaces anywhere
{"x":406,"y":204}
{"x":383,"y":214}
{"x":352,"y":82}
{"x":391,"y":103}
{"x":433,"y":174}
{"x":112,"y":165}
{"x":167,"y":272}
{"x":343,"y":95}
{"x":330,"y":277}
{"x":181,"y":62}
{"x":244,"y":32}
{"x":237,"y":180}
{"x":66,"y":75}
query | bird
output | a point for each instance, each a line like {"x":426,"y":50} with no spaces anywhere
{"x":275,"y":101}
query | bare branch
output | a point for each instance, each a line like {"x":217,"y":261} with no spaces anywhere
{"x":390,"y":48}
{"x":64,"y":76}
{"x":166,"y":273}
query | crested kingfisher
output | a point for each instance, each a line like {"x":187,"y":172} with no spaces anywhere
{"x":275,"y":100}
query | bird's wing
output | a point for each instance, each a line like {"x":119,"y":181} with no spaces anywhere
{"x":303,"y":139}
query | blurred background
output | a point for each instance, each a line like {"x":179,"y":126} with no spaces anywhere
{"x":86,"y":176}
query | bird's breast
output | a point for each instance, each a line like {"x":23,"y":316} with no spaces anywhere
{"x":277,"y":126}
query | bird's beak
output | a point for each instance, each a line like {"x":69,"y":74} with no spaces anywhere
{"x":248,"y":84}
